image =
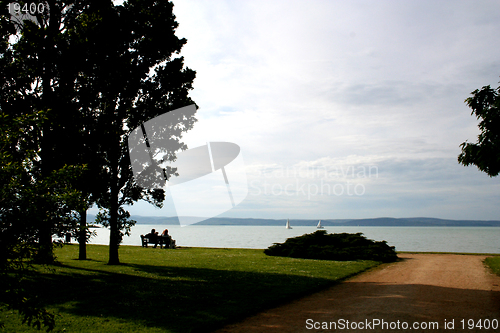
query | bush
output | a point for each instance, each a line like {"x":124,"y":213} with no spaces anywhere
{"x":342,"y":246}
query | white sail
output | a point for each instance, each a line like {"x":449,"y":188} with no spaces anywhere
{"x":319,"y":226}
{"x":288,"y":224}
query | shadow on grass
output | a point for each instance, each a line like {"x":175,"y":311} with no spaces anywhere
{"x":177,"y":299}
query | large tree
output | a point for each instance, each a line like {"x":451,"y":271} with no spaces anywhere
{"x":98,"y":71}
{"x":22,"y":193}
{"x":31,"y":204}
{"x":33,"y":68}
{"x":72,"y":87}
{"x":129,"y":76}
{"x":485,"y":154}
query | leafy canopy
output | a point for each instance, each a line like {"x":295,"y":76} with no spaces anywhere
{"x":485,"y":154}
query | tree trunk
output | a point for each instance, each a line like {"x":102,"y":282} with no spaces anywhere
{"x":114,"y":237}
{"x":45,"y":252}
{"x":82,"y":237}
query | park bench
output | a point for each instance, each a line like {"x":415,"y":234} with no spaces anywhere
{"x":168,"y":242}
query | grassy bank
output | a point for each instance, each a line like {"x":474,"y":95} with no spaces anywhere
{"x":494,"y":264}
{"x":182,"y":290}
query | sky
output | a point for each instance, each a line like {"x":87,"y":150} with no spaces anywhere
{"x":344,"y":109}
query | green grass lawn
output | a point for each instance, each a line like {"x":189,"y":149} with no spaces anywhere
{"x":182,"y":290}
{"x":494,"y":264}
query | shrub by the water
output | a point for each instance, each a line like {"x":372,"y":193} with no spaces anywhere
{"x":342,"y":246}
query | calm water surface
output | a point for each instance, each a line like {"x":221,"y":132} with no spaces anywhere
{"x":439,"y":239}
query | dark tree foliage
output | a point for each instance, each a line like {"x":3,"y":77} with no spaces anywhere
{"x":485,"y":154}
{"x":72,"y":86}
{"x":97,"y":71}
{"x":22,"y":194}
{"x":128,"y":76}
{"x":37,"y":73}
{"x":342,"y":246}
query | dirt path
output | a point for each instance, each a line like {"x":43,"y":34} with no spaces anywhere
{"x":420,"y":290}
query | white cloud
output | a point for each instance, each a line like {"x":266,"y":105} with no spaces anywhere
{"x":347,"y":83}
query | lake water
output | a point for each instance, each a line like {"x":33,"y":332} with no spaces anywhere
{"x":426,"y":239}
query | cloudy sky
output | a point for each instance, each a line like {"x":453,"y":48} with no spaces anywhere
{"x":344,"y":109}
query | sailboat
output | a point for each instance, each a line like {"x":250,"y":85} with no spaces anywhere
{"x":319,"y":226}
{"x":288,"y":224}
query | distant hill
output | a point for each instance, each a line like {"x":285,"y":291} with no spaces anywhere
{"x":420,"y":222}
{"x":372,"y":222}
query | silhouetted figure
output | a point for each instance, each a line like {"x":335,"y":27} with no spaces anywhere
{"x":153,"y":237}
{"x":166,"y":238}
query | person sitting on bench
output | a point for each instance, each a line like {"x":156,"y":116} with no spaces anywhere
{"x":166,"y":238}
{"x":152,"y":237}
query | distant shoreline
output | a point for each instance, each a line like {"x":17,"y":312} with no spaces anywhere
{"x":371,"y":222}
